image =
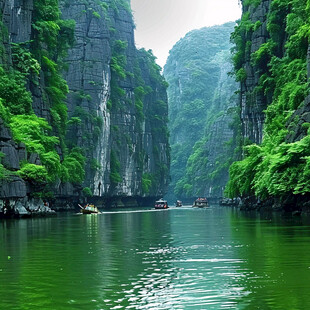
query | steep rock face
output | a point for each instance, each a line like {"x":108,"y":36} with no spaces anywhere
{"x":117,"y":104}
{"x":88,"y":79}
{"x":221,"y":134}
{"x":253,"y":103}
{"x":275,"y":169}
{"x":200,"y":98}
{"x":16,"y":18}
{"x":102,"y":78}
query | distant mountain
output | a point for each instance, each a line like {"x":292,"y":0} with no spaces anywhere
{"x":201,"y":109}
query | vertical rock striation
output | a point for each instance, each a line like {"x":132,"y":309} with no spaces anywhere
{"x":117,"y":101}
{"x":104,"y":69}
{"x":15,"y":27}
{"x":252,"y":102}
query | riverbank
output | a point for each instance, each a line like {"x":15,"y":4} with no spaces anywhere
{"x":24,"y":207}
{"x":296,"y":204}
{"x":17,"y":208}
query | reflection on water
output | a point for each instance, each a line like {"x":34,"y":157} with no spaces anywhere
{"x":181,"y":258}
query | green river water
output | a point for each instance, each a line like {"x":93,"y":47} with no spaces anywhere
{"x":180,"y":258}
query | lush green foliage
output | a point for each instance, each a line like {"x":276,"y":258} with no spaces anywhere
{"x":32,"y":131}
{"x":278,"y":167}
{"x":33,"y":173}
{"x":52,"y":35}
{"x":13,"y":92}
{"x":87,"y":192}
{"x":31,"y":61}
{"x":196,"y":68}
{"x":115,"y":167}
{"x":24,"y":61}
{"x":146,"y":183}
{"x":3,"y":171}
{"x":72,"y":169}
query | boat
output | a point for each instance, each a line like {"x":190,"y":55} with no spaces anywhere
{"x":89,"y":209}
{"x":161,"y":204}
{"x":201,"y":202}
{"x":178,"y":203}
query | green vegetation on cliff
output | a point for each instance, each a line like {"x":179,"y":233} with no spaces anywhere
{"x":199,"y":94}
{"x":150,"y":89}
{"x":108,"y":133}
{"x":280,"y":166}
{"x":32,"y":61}
{"x":156,"y":111}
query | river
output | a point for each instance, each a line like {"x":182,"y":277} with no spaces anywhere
{"x":180,"y":258}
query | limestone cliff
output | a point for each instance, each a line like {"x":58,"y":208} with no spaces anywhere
{"x":201,"y":111}
{"x":113,"y":90}
{"x":111,"y":140}
{"x":271,"y":61}
{"x":252,"y":102}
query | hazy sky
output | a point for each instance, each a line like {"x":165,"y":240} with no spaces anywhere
{"x":161,"y":23}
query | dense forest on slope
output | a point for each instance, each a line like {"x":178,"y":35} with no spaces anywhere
{"x":82,"y":110}
{"x":201,"y":108}
{"x":270,"y":61}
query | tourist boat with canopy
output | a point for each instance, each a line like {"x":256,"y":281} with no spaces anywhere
{"x":201,"y":202}
{"x":161,"y":204}
{"x":178,"y":203}
{"x":89,"y":209}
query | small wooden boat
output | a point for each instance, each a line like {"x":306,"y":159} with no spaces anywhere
{"x":89,"y":209}
{"x":161,"y":204}
{"x":201,"y":203}
{"x":178,"y":203}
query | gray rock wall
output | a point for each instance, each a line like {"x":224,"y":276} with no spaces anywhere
{"x":89,"y":77}
{"x":253,"y":104}
{"x":103,"y":128}
{"x":16,"y":17}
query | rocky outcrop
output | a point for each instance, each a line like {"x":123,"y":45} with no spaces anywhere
{"x":23,"y":207}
